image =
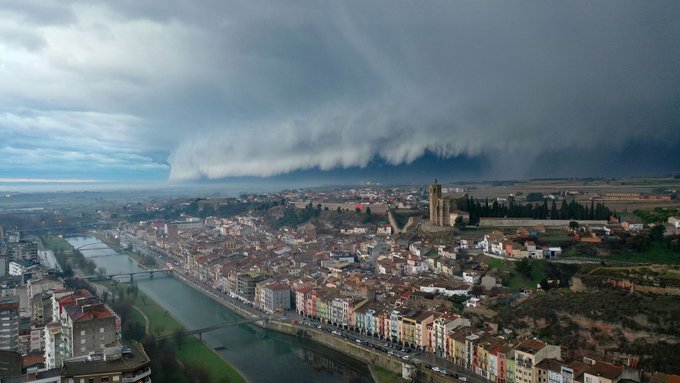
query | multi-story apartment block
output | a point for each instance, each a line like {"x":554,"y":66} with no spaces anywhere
{"x":506,"y":363}
{"x":340,"y":311}
{"x":529,"y":353}
{"x":323,"y":308}
{"x":487,"y":357}
{"x":556,"y":371}
{"x":271,"y":296}
{"x":91,"y":326}
{"x":457,"y":350}
{"x":246,"y":282}
{"x":82,"y":326}
{"x":301,"y":300}
{"x":9,"y":323}
{"x":471,"y":360}
{"x":25,"y":250}
{"x":439,"y":331}
{"x":276,"y":297}
{"x":54,"y":347}
{"x":597,"y":371}
{"x":354,"y":305}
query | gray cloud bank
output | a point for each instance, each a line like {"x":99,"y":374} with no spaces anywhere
{"x":265,"y":88}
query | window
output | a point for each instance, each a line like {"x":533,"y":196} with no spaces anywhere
{"x":82,"y":332}
{"x":101,"y":330}
{"x":104,"y":379}
{"x":82,"y":341}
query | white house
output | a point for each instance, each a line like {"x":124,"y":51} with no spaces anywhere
{"x":675,"y":221}
{"x":472,"y":277}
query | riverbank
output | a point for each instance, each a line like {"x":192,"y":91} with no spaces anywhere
{"x":157,"y":321}
{"x":351,"y":349}
{"x":192,"y":351}
{"x":389,"y":368}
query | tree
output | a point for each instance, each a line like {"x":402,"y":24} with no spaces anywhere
{"x":657,"y":232}
{"x":524,"y":267}
{"x":460,"y":224}
{"x":368,"y":211}
{"x":179,"y":335}
{"x":338,"y":210}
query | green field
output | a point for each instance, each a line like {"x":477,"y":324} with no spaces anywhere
{"x":195,"y":352}
{"x":657,"y":253}
{"x":518,"y":280}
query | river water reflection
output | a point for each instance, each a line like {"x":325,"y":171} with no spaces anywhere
{"x":264,"y":356}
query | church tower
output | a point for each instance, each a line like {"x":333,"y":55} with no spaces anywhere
{"x":435,"y":195}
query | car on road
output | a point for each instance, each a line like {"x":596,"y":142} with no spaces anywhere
{"x":462,"y":378}
{"x":435,"y":368}
{"x":406,"y":357}
{"x":359,"y":341}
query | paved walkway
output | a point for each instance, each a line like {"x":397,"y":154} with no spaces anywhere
{"x":146,"y":319}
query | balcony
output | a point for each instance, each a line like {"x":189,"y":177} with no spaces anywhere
{"x":135,"y":378}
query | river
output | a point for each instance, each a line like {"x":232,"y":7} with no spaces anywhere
{"x":262,"y":355}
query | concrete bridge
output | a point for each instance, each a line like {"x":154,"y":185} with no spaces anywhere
{"x":130,"y":274}
{"x":218,"y":326}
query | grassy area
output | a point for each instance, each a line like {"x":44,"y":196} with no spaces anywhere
{"x":519,"y":281}
{"x":160,"y":321}
{"x":385,"y":376}
{"x":195,"y":352}
{"x":500,"y":265}
{"x":56,"y":244}
{"x":657,"y":253}
{"x":133,"y":255}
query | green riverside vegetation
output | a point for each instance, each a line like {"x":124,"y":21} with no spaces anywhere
{"x":175,"y":356}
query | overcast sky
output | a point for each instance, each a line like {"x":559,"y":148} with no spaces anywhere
{"x":196,"y":90}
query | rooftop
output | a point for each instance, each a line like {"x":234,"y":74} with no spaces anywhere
{"x":531,"y":346}
{"x":134,"y":359}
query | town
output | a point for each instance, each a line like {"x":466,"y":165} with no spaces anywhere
{"x":449,"y":283}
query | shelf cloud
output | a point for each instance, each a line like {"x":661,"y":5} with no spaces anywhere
{"x":261,"y":88}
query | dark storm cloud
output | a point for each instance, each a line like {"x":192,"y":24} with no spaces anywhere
{"x":263,"y":88}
